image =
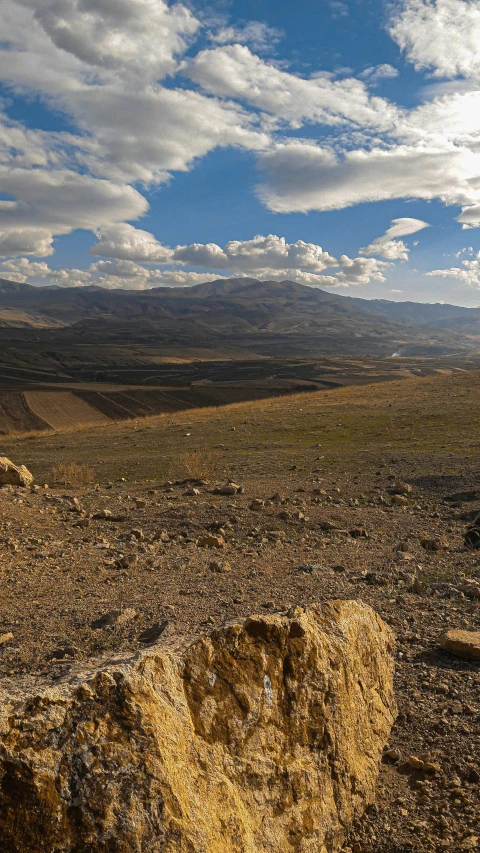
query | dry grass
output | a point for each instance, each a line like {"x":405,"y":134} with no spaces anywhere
{"x":72,"y":474}
{"x":197,"y":465}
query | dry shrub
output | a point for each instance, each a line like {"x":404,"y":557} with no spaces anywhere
{"x":197,"y":465}
{"x":72,"y":474}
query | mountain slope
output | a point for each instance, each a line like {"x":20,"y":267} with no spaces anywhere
{"x":261,"y":317}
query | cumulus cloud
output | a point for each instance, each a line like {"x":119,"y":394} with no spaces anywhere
{"x":118,"y":36}
{"x":375,"y":73}
{"x":303,"y":176}
{"x":125,"y":242}
{"x":468,"y":273}
{"x":25,"y":241}
{"x":234,"y":71}
{"x":394,"y":249}
{"x":252,"y":256}
{"x":113,"y":275}
{"x":442,"y":36}
{"x":470,"y":216}
{"x":259,"y":35}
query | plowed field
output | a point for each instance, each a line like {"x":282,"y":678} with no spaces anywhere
{"x":62,"y":409}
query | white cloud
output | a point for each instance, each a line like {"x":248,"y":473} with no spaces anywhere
{"x":233,"y":71}
{"x":259,"y":35}
{"x":61,"y":200}
{"x":468,"y":273}
{"x":442,"y":36}
{"x":303,"y":176}
{"x":25,"y":241}
{"x":128,"y":243}
{"x":109,"y":274}
{"x":376,"y":73}
{"x":390,"y":248}
{"x":470,"y":216}
{"x":118,"y":37}
{"x":252,"y":256}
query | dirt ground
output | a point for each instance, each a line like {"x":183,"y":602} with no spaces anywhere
{"x":321,"y":470}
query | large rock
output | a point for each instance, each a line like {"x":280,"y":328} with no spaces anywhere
{"x":14,"y":475}
{"x":261,"y":737}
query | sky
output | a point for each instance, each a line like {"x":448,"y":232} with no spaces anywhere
{"x":146,"y":143}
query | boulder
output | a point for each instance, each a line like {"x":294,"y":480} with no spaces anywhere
{"x":14,"y":475}
{"x":262,"y":736}
{"x":464,"y":644}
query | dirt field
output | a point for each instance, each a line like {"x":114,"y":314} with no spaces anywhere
{"x":322,"y":466}
{"x":16,"y":416}
{"x":62,"y":409}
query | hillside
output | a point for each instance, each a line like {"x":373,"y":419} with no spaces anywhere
{"x":117,"y":547}
{"x":259,"y":318}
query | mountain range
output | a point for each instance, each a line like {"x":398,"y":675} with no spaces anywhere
{"x":255,"y":317}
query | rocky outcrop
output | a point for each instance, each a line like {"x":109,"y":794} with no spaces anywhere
{"x":261,"y":737}
{"x":14,"y":475}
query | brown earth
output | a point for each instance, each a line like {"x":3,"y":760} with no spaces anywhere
{"x":333,"y":458}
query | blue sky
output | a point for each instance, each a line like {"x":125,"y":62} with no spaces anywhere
{"x":146,"y":143}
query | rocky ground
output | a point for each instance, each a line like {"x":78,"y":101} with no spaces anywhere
{"x":360,"y":493}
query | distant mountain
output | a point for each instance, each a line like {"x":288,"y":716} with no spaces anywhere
{"x":260,"y":317}
{"x":421,"y":313}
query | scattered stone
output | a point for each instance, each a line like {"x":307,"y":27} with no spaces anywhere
{"x":219,"y":566}
{"x":61,"y":653}
{"x":113,"y":617}
{"x":358,"y":533}
{"x":228,"y":490}
{"x":401,"y":488}
{"x":192,"y":493}
{"x":470,"y":588}
{"x":140,"y":503}
{"x":127,"y":561}
{"x":464,"y":644}
{"x":256,"y":504}
{"x":399,"y":500}
{"x":432,"y":544}
{"x":14,"y":475}
{"x":103,"y":514}
{"x":150,"y":635}
{"x":211,"y":541}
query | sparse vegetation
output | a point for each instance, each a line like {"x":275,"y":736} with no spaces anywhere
{"x":72,"y":474}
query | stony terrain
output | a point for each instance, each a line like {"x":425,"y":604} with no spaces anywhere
{"x":358,"y":493}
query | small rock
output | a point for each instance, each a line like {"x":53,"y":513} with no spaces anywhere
{"x":113,"y":617}
{"x":6,"y":638}
{"x":464,"y":644}
{"x":211,"y":541}
{"x":256,"y":504}
{"x":140,"y":503}
{"x":401,"y":488}
{"x":431,"y":544}
{"x":399,"y":500}
{"x":219,"y":566}
{"x":358,"y":533}
{"x":470,"y":588}
{"x":229,"y":489}
{"x":150,"y":635}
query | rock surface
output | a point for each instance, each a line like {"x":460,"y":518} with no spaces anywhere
{"x":14,"y":475}
{"x":464,"y":644}
{"x":263,"y":736}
